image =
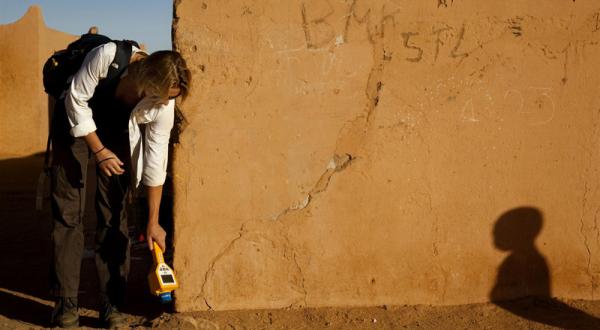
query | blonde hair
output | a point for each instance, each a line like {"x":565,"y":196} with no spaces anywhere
{"x":155,"y":74}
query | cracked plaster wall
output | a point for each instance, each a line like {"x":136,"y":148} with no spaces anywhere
{"x":24,"y":47}
{"x":360,"y":152}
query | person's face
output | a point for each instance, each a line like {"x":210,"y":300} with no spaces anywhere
{"x":174,"y":92}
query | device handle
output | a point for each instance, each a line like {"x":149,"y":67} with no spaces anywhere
{"x":157,"y":254}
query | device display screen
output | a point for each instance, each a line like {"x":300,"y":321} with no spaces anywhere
{"x":167,"y":279}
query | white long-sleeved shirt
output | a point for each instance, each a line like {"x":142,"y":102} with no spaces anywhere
{"x":148,"y":155}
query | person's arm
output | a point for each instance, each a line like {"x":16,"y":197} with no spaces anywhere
{"x":94,"y":68}
{"x":156,"y":150}
{"x":154,"y":232}
{"x":108,"y":162}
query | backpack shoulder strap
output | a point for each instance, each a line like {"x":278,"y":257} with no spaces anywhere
{"x":122,"y":58}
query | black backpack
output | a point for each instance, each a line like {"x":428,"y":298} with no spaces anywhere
{"x":65,"y":63}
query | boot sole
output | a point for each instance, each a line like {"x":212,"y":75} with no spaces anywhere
{"x":69,"y":325}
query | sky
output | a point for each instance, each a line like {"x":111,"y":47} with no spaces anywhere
{"x":145,"y":21}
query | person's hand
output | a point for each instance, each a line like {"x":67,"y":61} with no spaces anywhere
{"x":155,"y":233}
{"x":109,"y":163}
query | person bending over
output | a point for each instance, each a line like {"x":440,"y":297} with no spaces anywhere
{"x":124,"y":125}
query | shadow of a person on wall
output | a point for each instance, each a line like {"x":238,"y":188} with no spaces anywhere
{"x":523,"y":284}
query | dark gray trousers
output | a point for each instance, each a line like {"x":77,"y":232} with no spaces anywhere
{"x":70,"y":158}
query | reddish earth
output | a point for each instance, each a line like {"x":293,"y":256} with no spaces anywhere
{"x":25,"y":301}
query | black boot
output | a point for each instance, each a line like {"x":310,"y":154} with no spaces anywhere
{"x":65,"y":314}
{"x":110,"y":317}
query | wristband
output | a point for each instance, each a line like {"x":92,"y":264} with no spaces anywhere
{"x":103,"y":147}
{"x":98,"y":163}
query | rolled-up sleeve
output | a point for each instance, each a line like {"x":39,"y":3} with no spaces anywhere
{"x":95,"y":67}
{"x":156,"y":146}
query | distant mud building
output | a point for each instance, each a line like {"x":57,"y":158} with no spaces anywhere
{"x":24,"y":47}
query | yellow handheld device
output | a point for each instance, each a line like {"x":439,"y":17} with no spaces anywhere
{"x":161,"y":278}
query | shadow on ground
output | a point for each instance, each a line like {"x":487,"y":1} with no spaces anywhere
{"x":26,"y":252}
{"x":523,"y":284}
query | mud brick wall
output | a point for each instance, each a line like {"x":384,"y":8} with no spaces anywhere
{"x":387,"y":152}
{"x":24,"y":47}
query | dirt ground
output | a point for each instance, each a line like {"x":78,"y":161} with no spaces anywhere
{"x":25,"y":302}
{"x":476,"y":316}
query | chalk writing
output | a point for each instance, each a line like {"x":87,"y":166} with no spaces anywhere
{"x":510,"y":92}
{"x":531,"y":105}
{"x":544,"y":93}
{"x":375,"y":26}
{"x":419,"y":56}
{"x":541,"y":109}
{"x":444,"y":3}
{"x":468,"y":112}
{"x":359,"y":19}
{"x":438,"y":41}
{"x":317,"y":31}
{"x":515,"y":26}
{"x":379,"y":26}
{"x":461,"y":37}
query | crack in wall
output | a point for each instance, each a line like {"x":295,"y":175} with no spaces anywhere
{"x":302,"y":280}
{"x":354,"y":130}
{"x":300,"y":272}
{"x":585,"y":240}
{"x":341,"y":159}
{"x":336,"y":164}
{"x":583,"y":228}
{"x":596,"y":229}
{"x":289,"y":254}
{"x":211,"y":267}
{"x":374,"y":81}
